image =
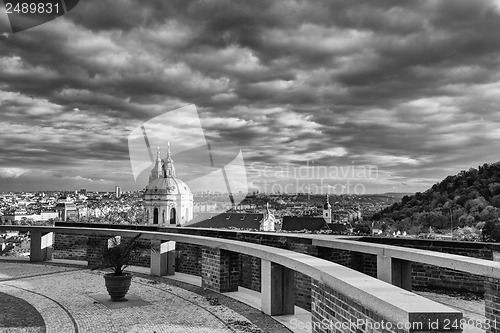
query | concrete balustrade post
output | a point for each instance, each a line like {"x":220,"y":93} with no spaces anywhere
{"x":394,"y":271}
{"x":162,"y":258}
{"x":220,"y":270}
{"x":41,"y":245}
{"x":277,"y":289}
{"x":401,"y":273}
{"x":492,"y":304}
{"x":384,"y":268}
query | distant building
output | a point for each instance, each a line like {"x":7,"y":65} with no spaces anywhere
{"x":309,"y":223}
{"x":21,"y":214}
{"x":168,"y":201}
{"x":118,"y":192}
{"x":238,"y":220}
{"x":377,"y":228}
{"x":204,"y":208}
{"x":269,"y":222}
{"x":66,"y":209}
{"x":227,"y":220}
{"x":346,"y":215}
{"x":316,"y":223}
{"x":300,"y":223}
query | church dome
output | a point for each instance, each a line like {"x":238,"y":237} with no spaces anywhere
{"x":168,"y":201}
{"x":163,"y":179}
{"x":168,"y":185}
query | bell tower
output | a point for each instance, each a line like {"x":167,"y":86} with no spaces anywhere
{"x":327,"y":211}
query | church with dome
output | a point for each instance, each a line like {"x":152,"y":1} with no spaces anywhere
{"x":168,"y":201}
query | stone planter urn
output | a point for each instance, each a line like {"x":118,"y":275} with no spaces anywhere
{"x":118,"y":285}
{"x":116,"y":257}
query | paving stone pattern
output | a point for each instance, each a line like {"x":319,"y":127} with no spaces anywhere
{"x":61,"y":298}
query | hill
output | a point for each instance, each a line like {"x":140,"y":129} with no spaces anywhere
{"x":461,"y":200}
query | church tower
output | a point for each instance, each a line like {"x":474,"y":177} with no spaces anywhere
{"x":168,"y":201}
{"x":327,"y":211}
{"x":269,"y":221}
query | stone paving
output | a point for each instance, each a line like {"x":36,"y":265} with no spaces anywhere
{"x":64,"y":298}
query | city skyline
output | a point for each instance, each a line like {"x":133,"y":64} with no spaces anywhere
{"x":410,"y":90}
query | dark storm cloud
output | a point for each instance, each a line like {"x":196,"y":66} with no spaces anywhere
{"x":400,"y":84}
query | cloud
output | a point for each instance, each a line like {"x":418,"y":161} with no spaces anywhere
{"x":412,"y":87}
{"x":11,"y":172}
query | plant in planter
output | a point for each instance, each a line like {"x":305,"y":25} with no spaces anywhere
{"x":116,"y":256}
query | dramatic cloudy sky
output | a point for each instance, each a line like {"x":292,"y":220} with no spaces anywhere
{"x":411,"y":88}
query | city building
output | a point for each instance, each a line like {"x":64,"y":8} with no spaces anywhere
{"x":168,"y":201}
{"x":325,"y":222}
{"x":21,"y":214}
{"x":227,"y":220}
{"x":270,"y":222}
{"x":118,"y":192}
{"x":66,"y":209}
{"x":238,"y":220}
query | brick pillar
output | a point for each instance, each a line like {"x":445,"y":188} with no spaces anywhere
{"x":303,"y":281}
{"x":220,"y":270}
{"x":492,"y":304}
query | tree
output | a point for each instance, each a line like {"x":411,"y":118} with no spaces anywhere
{"x":491,"y":231}
{"x":362,"y":229}
{"x":495,"y":201}
{"x":403,"y":225}
{"x":432,"y":219}
{"x":475,"y":205}
{"x":466,"y":220}
{"x":466,"y":234}
{"x":489,"y":213}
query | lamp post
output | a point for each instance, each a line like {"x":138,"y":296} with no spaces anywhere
{"x":451,"y":221}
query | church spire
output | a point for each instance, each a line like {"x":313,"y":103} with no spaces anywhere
{"x":157,"y":171}
{"x":327,"y":203}
{"x":169,"y":164}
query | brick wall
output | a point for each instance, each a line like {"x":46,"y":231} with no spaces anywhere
{"x":492,"y":304}
{"x":434,"y":277}
{"x":188,"y":259}
{"x":340,"y":257}
{"x":141,"y":256}
{"x":220,"y":270}
{"x":250,"y":270}
{"x":332,"y":311}
{"x":302,"y":281}
{"x":95,"y":245}
{"x":73,"y":247}
{"x":76,"y":247}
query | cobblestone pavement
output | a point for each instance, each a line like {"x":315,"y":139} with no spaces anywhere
{"x":63,"y":297}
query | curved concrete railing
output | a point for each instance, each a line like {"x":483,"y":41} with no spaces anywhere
{"x":387,"y":301}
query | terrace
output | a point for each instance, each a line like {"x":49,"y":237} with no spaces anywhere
{"x":332,"y":293}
